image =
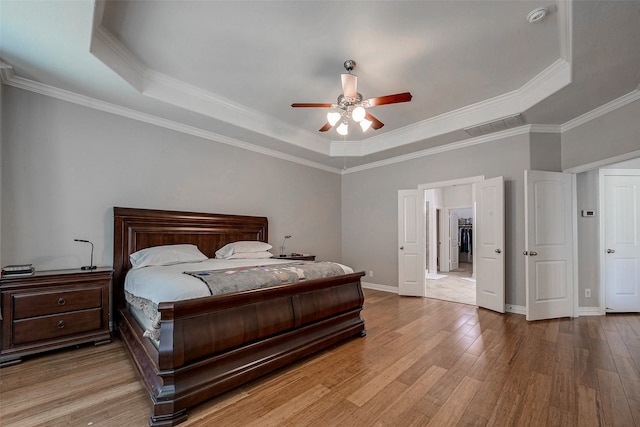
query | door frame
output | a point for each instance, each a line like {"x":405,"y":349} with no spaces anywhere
{"x":444,"y":217}
{"x":448,"y":210}
{"x":601,"y":232}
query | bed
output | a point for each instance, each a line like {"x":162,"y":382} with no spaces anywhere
{"x":211,"y":344}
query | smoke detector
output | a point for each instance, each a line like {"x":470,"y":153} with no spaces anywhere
{"x":537,"y":15}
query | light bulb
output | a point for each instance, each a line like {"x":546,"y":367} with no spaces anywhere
{"x":365,"y":124}
{"x":358,"y":113}
{"x":343,"y":129}
{"x":333,"y":117}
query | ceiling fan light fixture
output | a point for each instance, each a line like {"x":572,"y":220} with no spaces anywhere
{"x":343,"y":129}
{"x":358,"y":114}
{"x":333,"y":117}
{"x":365,"y":124}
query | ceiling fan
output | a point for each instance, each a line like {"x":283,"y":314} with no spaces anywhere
{"x":351,"y":104}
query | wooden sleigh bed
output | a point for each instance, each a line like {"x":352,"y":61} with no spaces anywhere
{"x":212,"y":344}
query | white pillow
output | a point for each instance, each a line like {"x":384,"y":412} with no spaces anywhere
{"x":166,"y":255}
{"x":244,"y":246}
{"x":251,"y":255}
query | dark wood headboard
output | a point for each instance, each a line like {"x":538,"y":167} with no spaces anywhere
{"x":136,"y":229}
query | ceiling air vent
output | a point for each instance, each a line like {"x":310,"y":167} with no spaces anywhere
{"x":496,"y":125}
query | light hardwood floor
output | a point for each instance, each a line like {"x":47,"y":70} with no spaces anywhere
{"x":454,"y":286}
{"x":423,"y":362}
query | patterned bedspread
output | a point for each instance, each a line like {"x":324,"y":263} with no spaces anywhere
{"x":247,"y":278}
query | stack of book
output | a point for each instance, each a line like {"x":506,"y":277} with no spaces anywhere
{"x":17,"y":270}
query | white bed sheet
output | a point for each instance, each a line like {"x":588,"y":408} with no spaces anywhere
{"x":168,"y":283}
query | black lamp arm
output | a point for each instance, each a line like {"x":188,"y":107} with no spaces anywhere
{"x":90,"y":266}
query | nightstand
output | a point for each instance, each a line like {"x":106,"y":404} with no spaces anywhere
{"x":53,"y":309}
{"x":305,"y":257}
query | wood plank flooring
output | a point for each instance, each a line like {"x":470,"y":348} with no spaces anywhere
{"x":424,"y":362}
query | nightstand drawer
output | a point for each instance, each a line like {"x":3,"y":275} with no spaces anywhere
{"x":56,"y":325}
{"x":55,"y":301}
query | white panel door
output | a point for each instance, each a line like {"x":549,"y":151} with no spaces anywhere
{"x":622,"y":243}
{"x":412,"y":262}
{"x":454,"y":241}
{"x":549,"y":245}
{"x":489,"y":244}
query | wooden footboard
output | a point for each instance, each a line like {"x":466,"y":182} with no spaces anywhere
{"x":213,"y":344}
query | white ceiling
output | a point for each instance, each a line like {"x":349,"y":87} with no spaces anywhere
{"x":229,"y":70}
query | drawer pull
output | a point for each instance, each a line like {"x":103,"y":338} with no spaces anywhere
{"x":61,"y":301}
{"x":60,"y":324}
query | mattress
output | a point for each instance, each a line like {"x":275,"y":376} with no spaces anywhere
{"x":147,"y":287}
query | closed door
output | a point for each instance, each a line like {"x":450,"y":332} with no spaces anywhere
{"x":622,"y":243}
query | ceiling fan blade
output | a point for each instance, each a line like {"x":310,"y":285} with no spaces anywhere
{"x":349,"y":85}
{"x":311,"y":104}
{"x":389,"y":99}
{"x":326,"y":127}
{"x":375,"y":123}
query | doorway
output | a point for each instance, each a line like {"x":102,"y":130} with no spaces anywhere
{"x":416,"y":259}
{"x":450,"y":273}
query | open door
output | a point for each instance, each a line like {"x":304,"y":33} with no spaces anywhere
{"x":489,"y":237}
{"x":549,"y":245}
{"x":454,"y":241}
{"x":621,"y":218}
{"x":412,"y":262}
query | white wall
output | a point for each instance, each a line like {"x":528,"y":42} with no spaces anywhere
{"x":64,"y":167}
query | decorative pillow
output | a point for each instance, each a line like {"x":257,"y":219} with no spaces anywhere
{"x":244,"y":246}
{"x":166,"y":255}
{"x":251,"y":255}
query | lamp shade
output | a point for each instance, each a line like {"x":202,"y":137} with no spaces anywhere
{"x":343,"y":129}
{"x":365,"y":124}
{"x":333,"y":117}
{"x":358,"y":113}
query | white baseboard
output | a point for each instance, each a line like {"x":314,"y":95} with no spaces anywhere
{"x":377,"y":287}
{"x":589,"y":311}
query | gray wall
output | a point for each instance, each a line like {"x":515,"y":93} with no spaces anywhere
{"x":545,"y":150}
{"x":588,"y":238}
{"x":65,"y":166}
{"x":370,"y":206}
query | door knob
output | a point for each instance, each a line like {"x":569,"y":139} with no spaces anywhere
{"x":401,"y":247}
{"x":611,"y":251}
{"x":498,"y":251}
{"x":533,"y":253}
{"x":525,"y":253}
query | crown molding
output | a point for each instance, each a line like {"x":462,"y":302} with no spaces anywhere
{"x":6,"y":72}
{"x":151,"y":83}
{"x":602,"y":110}
{"x":603,"y":162}
{"x":176,"y":92}
{"x":546,"y":128}
{"x":565,"y":28}
{"x":549,"y":81}
{"x":8,"y":78}
{"x":441,"y":149}
{"x":116,"y":56}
